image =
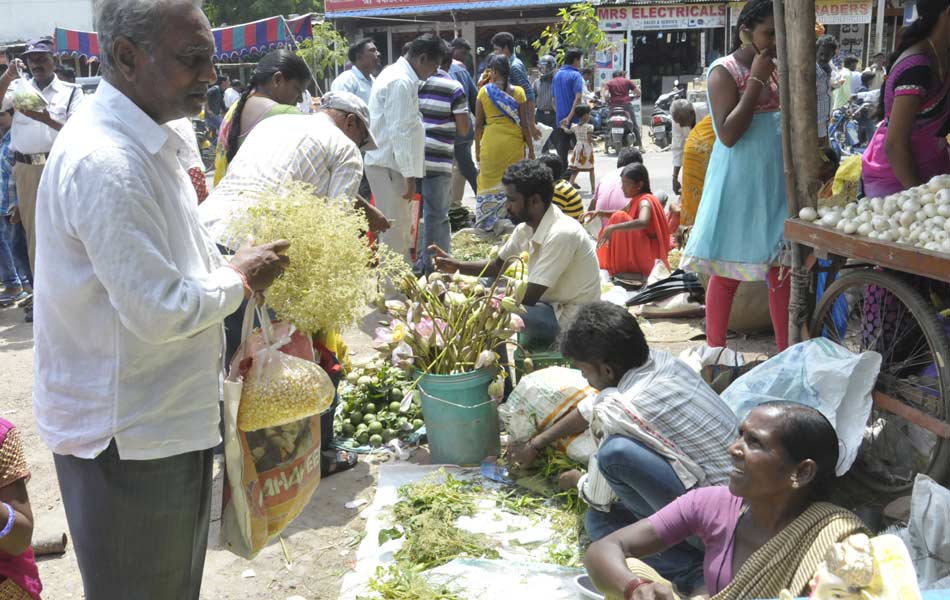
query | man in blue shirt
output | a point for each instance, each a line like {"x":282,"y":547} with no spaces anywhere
{"x":568,"y":88}
{"x":504,"y":43}
{"x":464,"y":163}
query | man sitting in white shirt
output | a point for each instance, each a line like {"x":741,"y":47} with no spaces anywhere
{"x":662,"y":430}
{"x":563,"y":272}
{"x":392,"y":169}
{"x":131,"y":299}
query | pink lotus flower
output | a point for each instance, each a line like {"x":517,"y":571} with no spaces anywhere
{"x":517,"y":323}
{"x":403,"y":356}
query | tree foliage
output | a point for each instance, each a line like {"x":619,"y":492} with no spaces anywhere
{"x":328,"y":47}
{"x":577,"y":27}
{"x":235,"y":12}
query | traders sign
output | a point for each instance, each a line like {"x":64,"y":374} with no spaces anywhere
{"x":828,"y":12}
{"x":673,"y":16}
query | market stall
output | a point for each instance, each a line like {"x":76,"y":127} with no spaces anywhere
{"x":886,"y":288}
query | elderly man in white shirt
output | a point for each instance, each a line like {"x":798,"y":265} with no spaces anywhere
{"x":358,"y":79}
{"x":563,"y":272}
{"x":392,"y":169}
{"x":130,"y":299}
{"x":33,"y":132}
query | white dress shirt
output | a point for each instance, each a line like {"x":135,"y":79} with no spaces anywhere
{"x":29,"y":136}
{"x":353,"y":81}
{"x":231,"y":96}
{"x":397,"y":122}
{"x":561,"y":257}
{"x":131,"y":293}
{"x":282,"y":149}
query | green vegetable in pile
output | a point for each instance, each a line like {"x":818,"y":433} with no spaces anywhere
{"x":371,"y":401}
{"x":404,"y":582}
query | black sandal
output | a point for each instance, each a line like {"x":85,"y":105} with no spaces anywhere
{"x":336,"y":461}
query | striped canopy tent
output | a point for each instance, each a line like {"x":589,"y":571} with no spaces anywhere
{"x":230,"y":42}
{"x":70,"y":42}
{"x":258,"y":37}
{"x":301,"y":27}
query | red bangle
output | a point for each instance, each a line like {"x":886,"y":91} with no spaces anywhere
{"x":248,"y":292}
{"x":632,"y":587}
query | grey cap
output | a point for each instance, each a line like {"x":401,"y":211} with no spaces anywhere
{"x":354,"y":105}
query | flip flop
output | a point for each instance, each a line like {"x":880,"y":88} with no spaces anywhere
{"x":336,"y":461}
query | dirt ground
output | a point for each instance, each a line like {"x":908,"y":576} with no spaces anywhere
{"x":322,"y":542}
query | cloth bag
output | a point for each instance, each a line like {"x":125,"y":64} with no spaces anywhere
{"x":270,"y":474}
{"x":817,"y":373}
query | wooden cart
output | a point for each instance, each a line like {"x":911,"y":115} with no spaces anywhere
{"x":882,"y":298}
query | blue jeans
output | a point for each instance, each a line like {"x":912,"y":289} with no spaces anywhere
{"x":436,"y":200}
{"x":14,"y":258}
{"x":466,"y":163}
{"x":645,"y":482}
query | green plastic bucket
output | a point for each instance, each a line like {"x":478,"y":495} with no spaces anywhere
{"x":461,"y":418}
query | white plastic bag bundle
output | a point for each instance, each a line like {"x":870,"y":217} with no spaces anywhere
{"x":929,"y":532}
{"x":540,"y":400}
{"x":820,"y":374}
{"x":545,"y":135}
{"x":26,"y":96}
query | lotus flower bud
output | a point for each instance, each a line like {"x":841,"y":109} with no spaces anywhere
{"x":496,"y":390}
{"x":486,"y":358}
{"x":511,"y":305}
{"x":521,"y":288}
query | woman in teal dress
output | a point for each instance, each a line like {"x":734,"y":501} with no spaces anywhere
{"x":738,"y":234}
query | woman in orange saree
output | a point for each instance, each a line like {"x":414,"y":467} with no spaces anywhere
{"x":637,"y":236}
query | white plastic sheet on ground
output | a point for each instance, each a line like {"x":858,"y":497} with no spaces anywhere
{"x":820,"y":374}
{"x":475,"y":579}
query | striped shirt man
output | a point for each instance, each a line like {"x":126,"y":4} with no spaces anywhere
{"x":441,"y":98}
{"x":568,"y":199}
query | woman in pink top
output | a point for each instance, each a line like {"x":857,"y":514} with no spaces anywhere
{"x":767,"y":531}
{"x":19,"y":577}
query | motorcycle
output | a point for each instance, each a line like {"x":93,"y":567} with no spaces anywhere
{"x":600,"y":117}
{"x":665,"y":101}
{"x":622,"y":131}
{"x":844,"y":133}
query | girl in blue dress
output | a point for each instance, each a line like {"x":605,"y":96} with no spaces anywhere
{"x":738,"y":234}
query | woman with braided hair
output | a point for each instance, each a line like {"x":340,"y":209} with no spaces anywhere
{"x":276,"y":87}
{"x":739,"y":235}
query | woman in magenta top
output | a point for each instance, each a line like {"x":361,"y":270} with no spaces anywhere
{"x":19,"y":577}
{"x":910,"y":146}
{"x":767,"y":531}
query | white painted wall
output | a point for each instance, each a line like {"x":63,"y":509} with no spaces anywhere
{"x":21,"y":20}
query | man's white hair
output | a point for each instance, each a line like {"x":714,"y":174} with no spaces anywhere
{"x":139,"y":20}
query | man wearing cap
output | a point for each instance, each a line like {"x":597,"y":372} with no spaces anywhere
{"x":322,"y":150}
{"x":34,"y":132}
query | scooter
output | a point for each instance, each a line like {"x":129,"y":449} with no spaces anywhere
{"x":622,"y":131}
{"x":844,"y":133}
{"x":661,"y":121}
{"x":205,"y":139}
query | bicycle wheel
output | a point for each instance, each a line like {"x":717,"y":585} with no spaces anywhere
{"x":875,"y":310}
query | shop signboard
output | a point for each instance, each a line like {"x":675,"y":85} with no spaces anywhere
{"x":662,"y":17}
{"x":851,"y":40}
{"x":827,"y":12}
{"x":609,"y":60}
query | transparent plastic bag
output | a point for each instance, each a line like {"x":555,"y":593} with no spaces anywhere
{"x":26,"y":96}
{"x":281,"y":388}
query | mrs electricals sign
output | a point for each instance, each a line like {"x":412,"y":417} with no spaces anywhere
{"x":674,"y":16}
